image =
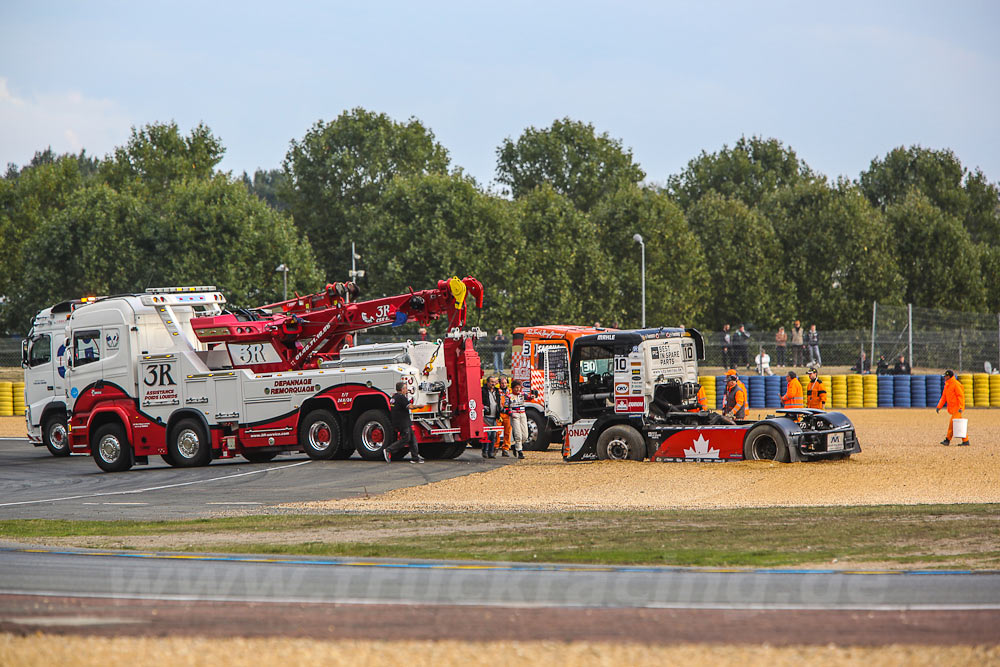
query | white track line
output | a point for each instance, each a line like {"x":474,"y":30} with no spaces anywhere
{"x":153,"y":488}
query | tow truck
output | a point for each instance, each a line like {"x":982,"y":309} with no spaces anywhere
{"x":632,"y":395}
{"x":171,"y":373}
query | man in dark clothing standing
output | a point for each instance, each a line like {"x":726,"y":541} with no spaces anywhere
{"x":901,"y":367}
{"x":491,"y":411}
{"x":727,"y":347}
{"x":741,"y":343}
{"x":399,"y":413}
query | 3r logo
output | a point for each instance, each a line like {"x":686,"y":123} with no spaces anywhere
{"x":158,"y":375}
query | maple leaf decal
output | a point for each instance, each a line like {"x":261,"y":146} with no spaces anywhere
{"x":701,"y":450}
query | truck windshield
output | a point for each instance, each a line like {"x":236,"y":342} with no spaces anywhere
{"x":594,"y":378}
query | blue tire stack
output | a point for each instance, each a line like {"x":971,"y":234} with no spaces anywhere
{"x":901,"y":391}
{"x":935,"y":385}
{"x":885,"y":390}
{"x":757,"y":391}
{"x":720,"y":390}
{"x":772,"y":391}
{"x":745,"y":379}
{"x":918,"y":391}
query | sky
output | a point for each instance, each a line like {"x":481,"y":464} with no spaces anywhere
{"x":840,"y":83}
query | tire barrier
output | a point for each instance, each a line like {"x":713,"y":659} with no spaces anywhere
{"x":918,"y":391}
{"x":756,"y":391}
{"x":855,"y":392}
{"x":935,"y":385}
{"x":885,"y":391}
{"x":720,"y":390}
{"x":772,"y":391}
{"x":969,"y":387}
{"x":901,"y":391}
{"x":838,"y":391}
{"x":707,"y":383}
{"x":981,"y":387}
{"x":17,"y":389}
{"x":995,"y":391}
{"x":870,"y":383}
{"x":782,"y":386}
{"x":6,"y":399}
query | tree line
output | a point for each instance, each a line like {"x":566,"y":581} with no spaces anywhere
{"x":749,"y":233}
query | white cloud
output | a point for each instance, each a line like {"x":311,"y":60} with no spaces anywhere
{"x":66,"y":121}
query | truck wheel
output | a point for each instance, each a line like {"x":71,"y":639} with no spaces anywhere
{"x":765,"y":443}
{"x":110,"y":448}
{"x":621,"y":443}
{"x":457,"y":449}
{"x":168,"y":459}
{"x":56,"y":436}
{"x":344,"y":452}
{"x":372,"y":431}
{"x":538,"y":434}
{"x":256,"y":456}
{"x":189,"y":446}
{"x":435,"y":450}
{"x":319,"y":435}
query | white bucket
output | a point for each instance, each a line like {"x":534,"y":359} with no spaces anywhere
{"x":960,"y":427}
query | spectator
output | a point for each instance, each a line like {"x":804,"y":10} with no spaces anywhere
{"x":500,"y":345}
{"x":399,"y":415}
{"x":953,"y":398}
{"x":763,"y":361}
{"x":798,"y":342}
{"x":812,"y":339}
{"x":901,"y":367}
{"x":863,"y":366}
{"x":727,"y":347}
{"x":815,"y":393}
{"x":491,"y":411}
{"x":882,"y":368}
{"x":422,"y":332}
{"x":518,"y":418}
{"x":793,"y":395}
{"x":780,"y":346}
{"x":741,"y":343}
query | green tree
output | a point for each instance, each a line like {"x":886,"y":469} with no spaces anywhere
{"x":266,"y":185}
{"x":572,"y":158}
{"x":749,"y":171}
{"x":158,"y":155}
{"x":744,"y":260}
{"x":989,"y":260}
{"x":677,"y":279}
{"x":340,"y":169}
{"x":837,"y":252}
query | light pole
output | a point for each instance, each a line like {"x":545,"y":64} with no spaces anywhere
{"x":355,"y":273}
{"x":283,"y":270}
{"x":638,"y":239}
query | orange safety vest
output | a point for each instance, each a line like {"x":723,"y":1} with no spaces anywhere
{"x":953,"y":396}
{"x":793,"y":397}
{"x":816,"y":394}
{"x":736,"y":402}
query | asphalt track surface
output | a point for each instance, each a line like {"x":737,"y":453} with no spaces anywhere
{"x":161,"y":594}
{"x":36,"y":485}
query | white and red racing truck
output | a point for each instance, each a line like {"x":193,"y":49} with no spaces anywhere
{"x":632,"y":395}
{"x":169,"y":373}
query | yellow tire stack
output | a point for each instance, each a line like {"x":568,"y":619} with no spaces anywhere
{"x":838,"y":391}
{"x":6,"y":399}
{"x":17,"y":389}
{"x":994,"y":385}
{"x":707,"y":383}
{"x":870,"y":384}
{"x":855,"y":392}
{"x":981,"y":386}
{"x":970,"y":390}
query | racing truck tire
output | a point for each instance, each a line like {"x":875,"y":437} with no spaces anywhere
{"x":189,"y":445}
{"x":55,"y":436}
{"x":111,"y":449}
{"x":538,"y":433}
{"x":372,"y":431}
{"x":766,"y":443}
{"x":168,"y":459}
{"x":319,"y":435}
{"x":621,"y":443}
{"x":457,"y":449}
{"x":257,"y":456}
{"x":435,"y":450}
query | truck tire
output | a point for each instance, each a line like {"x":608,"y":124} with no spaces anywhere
{"x":538,"y":432}
{"x":621,"y":443}
{"x":257,"y":456}
{"x":319,"y":435}
{"x":766,"y":443}
{"x":344,"y":452}
{"x":435,"y":450}
{"x":168,"y":459}
{"x":55,"y":435}
{"x":456,"y":450}
{"x":188,"y":445}
{"x":372,"y":431}
{"x":111,"y":449}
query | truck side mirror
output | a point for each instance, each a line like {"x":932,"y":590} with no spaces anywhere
{"x":24,"y":353}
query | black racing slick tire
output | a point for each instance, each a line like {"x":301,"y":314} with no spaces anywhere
{"x":456,"y":449}
{"x":538,"y":433}
{"x":319,"y":435}
{"x":435,"y":450}
{"x":257,"y":456}
{"x":55,"y":435}
{"x":373,"y":431}
{"x":766,"y":443}
{"x":189,"y":445}
{"x":110,"y":448}
{"x":621,"y":443}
